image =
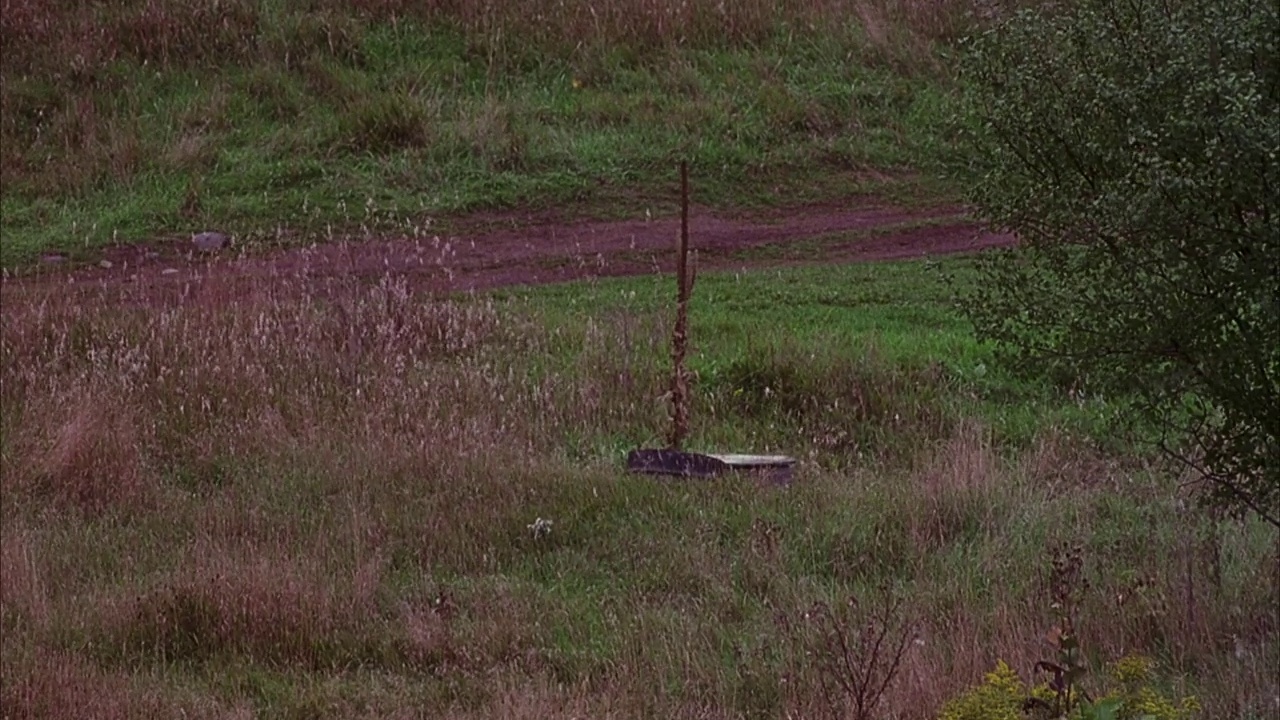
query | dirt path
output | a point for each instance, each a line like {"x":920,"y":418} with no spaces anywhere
{"x":527,"y":251}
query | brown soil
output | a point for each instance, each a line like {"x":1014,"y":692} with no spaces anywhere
{"x":512,"y":250}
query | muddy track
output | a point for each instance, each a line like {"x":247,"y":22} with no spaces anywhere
{"x":525,"y":251}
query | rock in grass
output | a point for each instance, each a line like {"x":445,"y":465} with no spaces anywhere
{"x":210,"y":242}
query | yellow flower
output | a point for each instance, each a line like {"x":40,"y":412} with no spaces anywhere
{"x":1134,"y":675}
{"x":999,"y":697}
{"x":1133,"y":670}
{"x":1004,"y":679}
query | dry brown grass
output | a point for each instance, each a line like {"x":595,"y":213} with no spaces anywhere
{"x":25,"y":589}
{"x":324,"y":487}
{"x":964,"y":482}
{"x":53,"y":684}
{"x":189,"y":32}
{"x":277,"y":611}
{"x":86,"y":451}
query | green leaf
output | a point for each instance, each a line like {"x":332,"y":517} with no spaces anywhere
{"x":1108,"y":709}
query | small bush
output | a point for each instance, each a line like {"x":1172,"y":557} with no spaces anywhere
{"x":1000,"y":697}
{"x":1133,"y":691}
{"x":1133,"y":696}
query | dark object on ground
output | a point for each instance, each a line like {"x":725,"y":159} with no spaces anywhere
{"x":777,"y":469}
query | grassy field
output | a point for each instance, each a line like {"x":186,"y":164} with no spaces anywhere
{"x":323,"y":504}
{"x":135,"y":120}
{"x":340,"y":498}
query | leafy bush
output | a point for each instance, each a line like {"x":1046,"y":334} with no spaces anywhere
{"x":1003,"y":695}
{"x":1133,"y":148}
{"x":1135,"y":697}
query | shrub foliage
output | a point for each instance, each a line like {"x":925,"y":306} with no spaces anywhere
{"x":1133,"y":148}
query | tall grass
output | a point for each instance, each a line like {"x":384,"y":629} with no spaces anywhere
{"x":316,"y":501}
{"x":188,"y":33}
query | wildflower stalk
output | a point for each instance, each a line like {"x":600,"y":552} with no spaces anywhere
{"x":680,"y":337}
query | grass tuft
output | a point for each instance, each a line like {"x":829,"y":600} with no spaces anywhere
{"x":87,"y":452}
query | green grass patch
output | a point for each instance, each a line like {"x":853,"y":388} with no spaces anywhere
{"x":785,"y":343}
{"x":388,"y":125}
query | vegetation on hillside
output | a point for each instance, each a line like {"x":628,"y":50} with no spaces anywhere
{"x":126,"y":120}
